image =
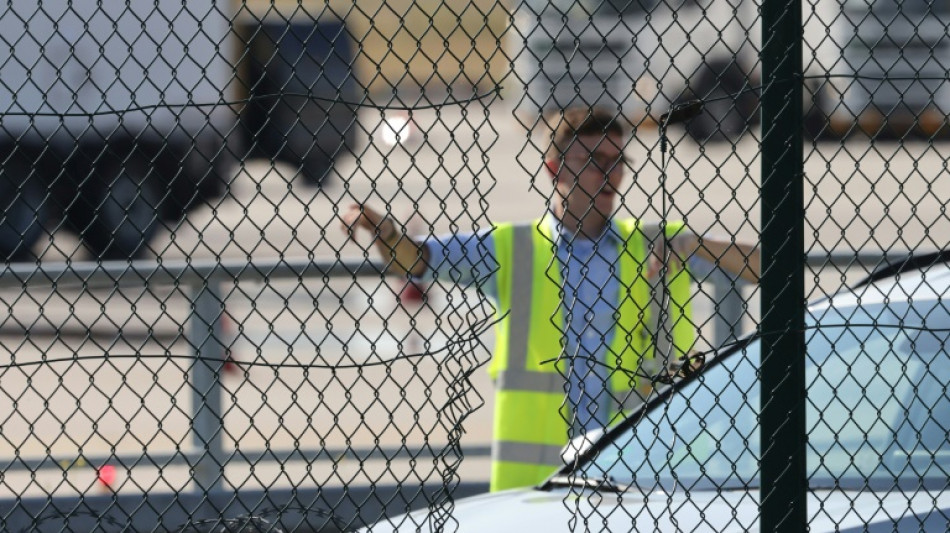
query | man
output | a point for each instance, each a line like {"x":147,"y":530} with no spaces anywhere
{"x":576,"y":292}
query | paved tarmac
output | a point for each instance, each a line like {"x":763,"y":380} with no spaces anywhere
{"x":465,"y":167}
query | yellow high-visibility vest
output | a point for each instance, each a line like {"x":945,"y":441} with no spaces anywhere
{"x":531,"y":413}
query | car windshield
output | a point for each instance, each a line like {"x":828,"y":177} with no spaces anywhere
{"x":878,"y":409}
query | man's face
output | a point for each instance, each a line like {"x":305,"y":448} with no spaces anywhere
{"x":588,"y":177}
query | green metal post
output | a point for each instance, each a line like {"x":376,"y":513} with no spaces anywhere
{"x":784,"y":485}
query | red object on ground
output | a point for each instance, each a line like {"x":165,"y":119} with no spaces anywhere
{"x":412,"y":292}
{"x":230,"y":365}
{"x":106,"y":476}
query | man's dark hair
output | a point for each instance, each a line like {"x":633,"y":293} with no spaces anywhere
{"x":577,"y":121}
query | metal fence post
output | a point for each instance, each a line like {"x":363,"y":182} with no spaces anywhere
{"x":728,"y":309}
{"x":783,"y":492}
{"x":207,"y":419}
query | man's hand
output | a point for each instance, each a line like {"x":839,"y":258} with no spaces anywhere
{"x":736,"y":258}
{"x":361,"y":216}
{"x":391,"y":241}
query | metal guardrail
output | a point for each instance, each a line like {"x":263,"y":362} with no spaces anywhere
{"x":205,"y":278}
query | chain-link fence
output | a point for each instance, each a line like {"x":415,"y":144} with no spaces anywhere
{"x":309,"y":266}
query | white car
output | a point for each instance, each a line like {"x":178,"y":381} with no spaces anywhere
{"x":878,"y":417}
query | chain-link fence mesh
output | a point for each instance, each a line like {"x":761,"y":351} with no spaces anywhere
{"x":210,"y":210}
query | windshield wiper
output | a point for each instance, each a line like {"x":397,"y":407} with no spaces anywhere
{"x":605,"y":484}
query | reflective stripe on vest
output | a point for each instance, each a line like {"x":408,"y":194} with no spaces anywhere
{"x":530,"y":423}
{"x":527,"y":440}
{"x":522,"y":278}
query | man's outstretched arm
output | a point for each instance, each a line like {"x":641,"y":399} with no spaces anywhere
{"x":741,"y":259}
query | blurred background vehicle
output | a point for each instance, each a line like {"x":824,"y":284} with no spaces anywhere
{"x":641,"y":57}
{"x":878,"y":370}
{"x":891,"y":78}
{"x":872,"y":66}
{"x":132,"y":115}
{"x":112,"y":123}
{"x":297,"y":74}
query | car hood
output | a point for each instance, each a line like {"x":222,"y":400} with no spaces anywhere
{"x":559,"y":510}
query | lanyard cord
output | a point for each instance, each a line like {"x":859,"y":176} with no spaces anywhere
{"x":677,"y":113}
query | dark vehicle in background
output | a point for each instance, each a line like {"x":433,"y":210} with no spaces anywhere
{"x":875,"y":67}
{"x":299,"y":78}
{"x":878,"y":454}
{"x":111,"y":120}
{"x":640,"y":57}
{"x":119,"y":118}
{"x":892,"y":81}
